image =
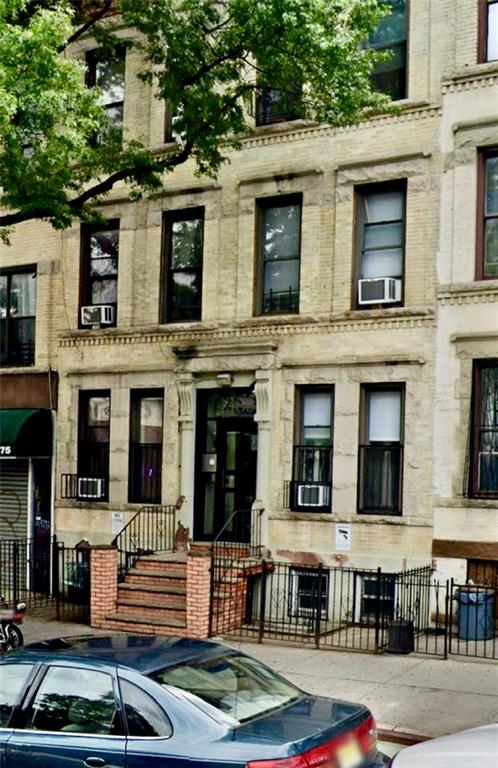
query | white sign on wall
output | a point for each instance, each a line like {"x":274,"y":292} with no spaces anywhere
{"x":117,"y":522}
{"x":343,"y":537}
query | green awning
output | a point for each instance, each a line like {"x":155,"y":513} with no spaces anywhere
{"x":25,"y":432}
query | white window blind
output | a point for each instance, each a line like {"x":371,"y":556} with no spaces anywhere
{"x":384,"y":416}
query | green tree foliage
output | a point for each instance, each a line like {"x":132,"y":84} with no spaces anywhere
{"x":204,"y":58}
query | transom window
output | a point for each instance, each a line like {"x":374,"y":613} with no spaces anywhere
{"x":487,"y":217}
{"x":381,"y":450}
{"x":280,"y":255}
{"x":17,"y":317}
{"x":390,"y":37}
{"x":184,"y":245}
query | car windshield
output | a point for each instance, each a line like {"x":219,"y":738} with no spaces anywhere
{"x":237,"y":686}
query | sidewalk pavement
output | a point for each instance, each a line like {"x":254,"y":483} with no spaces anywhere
{"x":412,"y":694}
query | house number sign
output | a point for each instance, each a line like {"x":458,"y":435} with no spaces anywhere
{"x":5,"y":450}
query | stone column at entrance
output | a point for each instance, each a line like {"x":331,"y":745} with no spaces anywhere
{"x":263,"y":394}
{"x":186,"y":420}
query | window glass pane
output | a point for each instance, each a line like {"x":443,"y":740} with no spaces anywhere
{"x":384,"y":416}
{"x":492,"y":46}
{"x":151,"y":420}
{"x":144,"y":716}
{"x":74,"y":701}
{"x":282,"y":276}
{"x":316,"y":410}
{"x":489,"y":398}
{"x":281,"y":227}
{"x":104,"y":292}
{"x":98,"y":414}
{"x":316,"y":435}
{"x":3,"y":295}
{"x":392,"y":28}
{"x":491,"y":248}
{"x":110,"y":78}
{"x":12,"y":680}
{"x":491,"y":184}
{"x":185,"y":288}
{"x":383,"y":206}
{"x":186,"y":243}
{"x":115,"y":115}
{"x":382,"y":263}
{"x":105,"y":244}
{"x":106,"y":266}
{"x":377,"y":235}
{"x":23,"y":295}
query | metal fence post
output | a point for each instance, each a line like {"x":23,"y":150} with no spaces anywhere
{"x":318,"y":605}
{"x":262,"y":602}
{"x":15,"y":580}
{"x":377,"y":609}
{"x":55,"y":577}
{"x":446,"y":618}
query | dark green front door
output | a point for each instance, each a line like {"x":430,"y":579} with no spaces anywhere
{"x":226,"y":466}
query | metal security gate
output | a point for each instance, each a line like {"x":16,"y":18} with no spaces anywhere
{"x":14,"y":483}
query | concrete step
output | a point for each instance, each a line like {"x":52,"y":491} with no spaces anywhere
{"x":153,"y":589}
{"x":159,"y":599}
{"x":148,"y":609}
{"x":161,"y":566}
{"x":151,"y":621}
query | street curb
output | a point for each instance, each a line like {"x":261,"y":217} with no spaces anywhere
{"x":404,"y":736}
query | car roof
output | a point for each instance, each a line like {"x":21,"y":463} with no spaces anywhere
{"x":144,"y":653}
{"x":474,"y":748}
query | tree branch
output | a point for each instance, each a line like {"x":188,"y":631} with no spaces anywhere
{"x":97,"y":16}
{"x":97,"y":190}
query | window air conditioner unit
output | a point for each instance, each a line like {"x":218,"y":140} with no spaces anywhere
{"x":311,"y":495}
{"x":98,"y":314}
{"x":90,"y":487}
{"x":379,"y":290}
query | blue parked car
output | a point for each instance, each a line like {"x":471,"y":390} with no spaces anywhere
{"x":149,"y":702}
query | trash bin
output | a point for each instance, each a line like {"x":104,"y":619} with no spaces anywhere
{"x":476,"y":613}
{"x":400,"y":636}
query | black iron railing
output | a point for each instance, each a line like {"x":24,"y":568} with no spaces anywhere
{"x":274,"y":106}
{"x":86,"y":488}
{"x":311,"y":486}
{"x":379,"y":481}
{"x":151,"y":529}
{"x":281,"y":302}
{"x":231,"y":565}
{"x":46,"y":575}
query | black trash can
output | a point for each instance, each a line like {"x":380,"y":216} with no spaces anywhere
{"x":400,"y":636}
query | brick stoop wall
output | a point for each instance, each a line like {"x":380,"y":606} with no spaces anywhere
{"x":105,"y":609}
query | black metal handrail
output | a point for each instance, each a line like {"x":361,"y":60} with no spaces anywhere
{"x":226,"y":554}
{"x":151,"y":529}
{"x":281,"y":301}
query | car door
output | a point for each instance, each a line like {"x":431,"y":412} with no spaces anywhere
{"x":72,"y":719}
{"x":13,"y":678}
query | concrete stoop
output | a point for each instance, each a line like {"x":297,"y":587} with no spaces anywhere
{"x":152,"y":599}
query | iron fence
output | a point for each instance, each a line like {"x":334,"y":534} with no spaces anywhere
{"x":49,"y":576}
{"x":351,"y":609}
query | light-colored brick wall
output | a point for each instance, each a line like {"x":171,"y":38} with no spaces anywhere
{"x":432,"y":143}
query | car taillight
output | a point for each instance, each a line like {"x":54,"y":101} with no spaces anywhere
{"x":324,"y":756}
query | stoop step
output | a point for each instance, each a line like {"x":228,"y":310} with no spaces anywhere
{"x":139,"y":618}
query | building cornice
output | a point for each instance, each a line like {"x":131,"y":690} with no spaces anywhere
{"x":485,"y":292}
{"x":290,"y":133}
{"x":478,"y":76}
{"x":253,"y":331}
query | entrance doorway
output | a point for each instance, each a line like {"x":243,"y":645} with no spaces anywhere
{"x":225,"y":478}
